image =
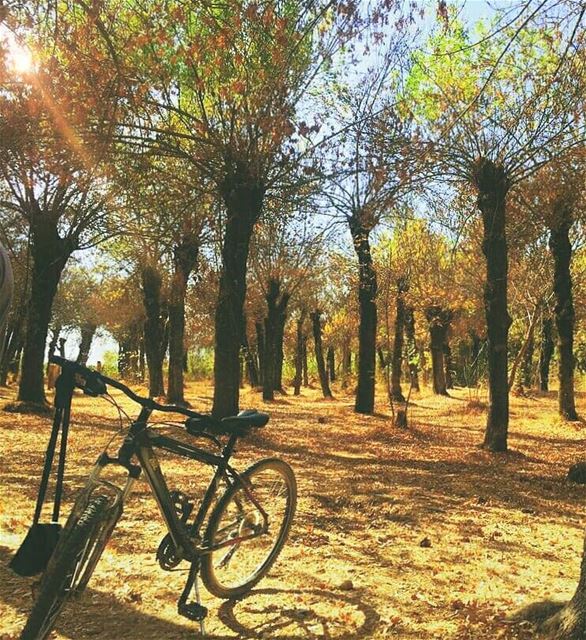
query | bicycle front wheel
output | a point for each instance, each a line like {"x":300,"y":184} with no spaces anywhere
{"x":248,"y":541}
{"x":80,"y":545}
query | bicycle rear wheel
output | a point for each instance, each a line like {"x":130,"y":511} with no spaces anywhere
{"x":79,"y":548}
{"x":232,"y":570}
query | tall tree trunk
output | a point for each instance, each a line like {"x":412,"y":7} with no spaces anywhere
{"x":249,"y":356}
{"x":55,"y":333}
{"x":154,"y":331}
{"x":129,"y":350}
{"x":346,"y":362}
{"x":448,"y":364}
{"x":521,"y":355}
{"x":319,"y":355}
{"x":439,"y":321}
{"x":269,"y":356}
{"x":367,"y":290}
{"x":14,"y":344}
{"x":492,"y":185}
{"x":260,"y":347}
{"x":88,"y":331}
{"x":279,"y":342}
{"x":185,"y":254}
{"x":331,"y":357}
{"x":382,"y":360}
{"x":475,"y":347}
{"x":304,"y":363}
{"x":546,"y":352}
{"x":243,"y":197}
{"x":527,"y":370}
{"x":397,"y":358}
{"x":273,"y":338}
{"x":561,"y":250}
{"x":412,"y":352}
{"x":141,"y":357}
{"x":299,"y":354}
{"x":50,"y":253}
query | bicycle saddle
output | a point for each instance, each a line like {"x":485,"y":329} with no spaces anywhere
{"x":238,"y":425}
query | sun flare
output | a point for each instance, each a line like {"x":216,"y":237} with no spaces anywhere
{"x":20,"y":59}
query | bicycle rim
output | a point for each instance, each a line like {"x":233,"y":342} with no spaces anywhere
{"x":252,"y":543}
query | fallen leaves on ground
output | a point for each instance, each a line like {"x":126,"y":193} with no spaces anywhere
{"x":415,"y":534}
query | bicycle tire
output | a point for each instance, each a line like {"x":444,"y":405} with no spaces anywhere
{"x":72,"y":553}
{"x":256,"y":475}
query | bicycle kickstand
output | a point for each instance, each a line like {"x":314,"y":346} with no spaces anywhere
{"x":194,"y":611}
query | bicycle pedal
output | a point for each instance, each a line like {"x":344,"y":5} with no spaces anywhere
{"x":193,"y":611}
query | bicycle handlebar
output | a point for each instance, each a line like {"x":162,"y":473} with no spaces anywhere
{"x":96,"y":383}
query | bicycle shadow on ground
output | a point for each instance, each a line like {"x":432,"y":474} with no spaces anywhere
{"x":318,"y":613}
{"x":296,"y":614}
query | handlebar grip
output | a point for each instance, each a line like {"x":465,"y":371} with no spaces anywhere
{"x":91,"y":382}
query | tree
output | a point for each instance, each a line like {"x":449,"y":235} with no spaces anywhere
{"x":373,"y":172}
{"x":219,"y":88}
{"x":490,"y":129}
{"x":554,"y":196}
{"x":54,"y":132}
{"x":435,"y":272}
{"x":64,"y":208}
{"x":319,"y":355}
{"x":284,"y":252}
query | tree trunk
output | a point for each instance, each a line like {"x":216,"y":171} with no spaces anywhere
{"x":88,"y":331}
{"x":492,"y":185}
{"x":243,"y":197}
{"x":50,"y":254}
{"x":546,"y":352}
{"x":129,"y":352}
{"x":569,"y":623}
{"x":14,"y":344}
{"x":521,"y":355}
{"x":439,"y":321}
{"x":449,"y":364}
{"x":331,"y":357}
{"x":382,"y":360}
{"x":475,"y":348}
{"x":273,"y":338}
{"x":55,"y":333}
{"x":346,"y":362}
{"x":185,"y":255}
{"x":242,"y":364}
{"x":367,"y":290}
{"x":561,"y":250}
{"x":154,"y":331}
{"x":397,"y":358}
{"x":269,"y":357}
{"x":527,"y":370}
{"x":299,"y":354}
{"x":304,"y":363}
{"x":251,"y":368}
{"x":279,"y":341}
{"x":260,"y":346}
{"x":412,"y":352}
{"x":319,"y":355}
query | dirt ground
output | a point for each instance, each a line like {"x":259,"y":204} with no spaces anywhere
{"x":398,"y":534}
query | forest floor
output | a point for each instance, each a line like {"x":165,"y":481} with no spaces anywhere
{"x":413,"y":534}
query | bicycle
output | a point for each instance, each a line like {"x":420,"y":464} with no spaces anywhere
{"x":245,"y":532}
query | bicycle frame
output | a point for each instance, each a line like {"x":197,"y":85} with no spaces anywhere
{"x":141,"y":442}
